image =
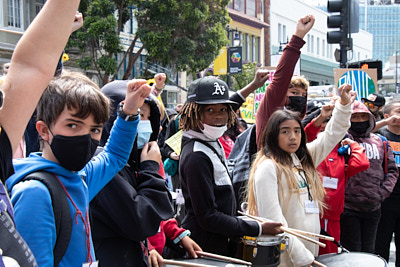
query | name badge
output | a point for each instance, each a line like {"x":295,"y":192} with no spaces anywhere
{"x":94,"y":264}
{"x":330,"y":182}
{"x":180,"y":200}
{"x":311,"y":206}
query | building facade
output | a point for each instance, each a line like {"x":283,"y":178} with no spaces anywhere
{"x":317,"y":59}
{"x":382,"y":20}
{"x":15,"y":16}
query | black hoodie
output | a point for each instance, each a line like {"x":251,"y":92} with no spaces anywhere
{"x":132,"y":205}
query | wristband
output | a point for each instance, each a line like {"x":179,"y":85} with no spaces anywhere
{"x":181,"y":236}
{"x":127,"y":117}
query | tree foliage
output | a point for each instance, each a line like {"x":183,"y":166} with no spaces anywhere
{"x":186,"y":34}
{"x":240,"y":80}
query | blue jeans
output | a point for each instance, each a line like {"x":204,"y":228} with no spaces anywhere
{"x":358,"y":230}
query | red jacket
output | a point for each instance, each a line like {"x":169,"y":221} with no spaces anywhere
{"x":168,"y":229}
{"x":334,"y":167}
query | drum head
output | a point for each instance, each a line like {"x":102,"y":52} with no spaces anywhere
{"x":352,"y":259}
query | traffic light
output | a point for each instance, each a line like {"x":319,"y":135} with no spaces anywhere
{"x":345,"y":18}
{"x":338,"y":21}
{"x":368,"y":64}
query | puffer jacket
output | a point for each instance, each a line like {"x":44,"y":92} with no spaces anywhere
{"x":365,"y":191}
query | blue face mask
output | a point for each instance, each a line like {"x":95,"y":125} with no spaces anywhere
{"x":144,"y":132}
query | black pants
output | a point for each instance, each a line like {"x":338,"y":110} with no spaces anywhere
{"x":358,"y":230}
{"x":389,"y":224}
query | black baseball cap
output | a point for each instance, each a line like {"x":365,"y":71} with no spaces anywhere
{"x":209,"y":90}
{"x":376,"y":99}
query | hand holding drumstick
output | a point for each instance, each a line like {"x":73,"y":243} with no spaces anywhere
{"x":297,"y":233}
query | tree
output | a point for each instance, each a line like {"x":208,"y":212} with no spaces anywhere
{"x":240,"y":80}
{"x":186,"y":34}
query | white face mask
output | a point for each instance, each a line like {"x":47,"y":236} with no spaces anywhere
{"x":213,"y":132}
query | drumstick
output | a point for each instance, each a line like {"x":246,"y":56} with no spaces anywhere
{"x":329,"y":238}
{"x":319,"y":264}
{"x":219,"y":257}
{"x":186,"y":264}
{"x":285,"y":229}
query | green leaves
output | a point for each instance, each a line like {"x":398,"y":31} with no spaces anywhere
{"x":186,"y":34}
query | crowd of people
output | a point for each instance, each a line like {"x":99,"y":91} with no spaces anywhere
{"x":98,"y":184}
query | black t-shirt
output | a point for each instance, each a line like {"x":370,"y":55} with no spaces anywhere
{"x":394,"y":141}
{"x":5,"y":156}
{"x":11,"y":243}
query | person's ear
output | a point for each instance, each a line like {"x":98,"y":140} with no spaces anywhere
{"x":385,"y":116}
{"x":43,"y":130}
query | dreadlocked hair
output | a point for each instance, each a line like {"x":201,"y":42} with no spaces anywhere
{"x":191,"y":115}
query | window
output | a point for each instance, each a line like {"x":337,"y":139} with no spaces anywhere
{"x":257,"y":49}
{"x":284,"y":37}
{"x":317,"y":46}
{"x":131,"y":25}
{"x":172,"y":98}
{"x":328,"y":51}
{"x":248,"y":7}
{"x":279,"y":32}
{"x":252,"y":48}
{"x":244,"y":45}
{"x":239,"y":5}
{"x":251,"y":7}
{"x":308,"y":43}
{"x":14,"y":13}
{"x":39,"y":5}
{"x":248,"y":47}
{"x":323,"y":48}
{"x":312,"y":44}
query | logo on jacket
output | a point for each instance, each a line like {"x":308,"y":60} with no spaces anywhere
{"x":219,"y":90}
{"x":371,"y":150}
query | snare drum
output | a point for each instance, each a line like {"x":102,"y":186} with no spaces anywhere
{"x":352,"y":259}
{"x":264,"y":250}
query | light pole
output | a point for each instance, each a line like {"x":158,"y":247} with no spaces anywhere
{"x":236,"y":43}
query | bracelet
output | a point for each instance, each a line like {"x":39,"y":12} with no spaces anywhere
{"x":158,"y":90}
{"x":181,"y":236}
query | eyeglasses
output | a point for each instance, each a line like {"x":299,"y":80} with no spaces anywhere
{"x":369,"y":105}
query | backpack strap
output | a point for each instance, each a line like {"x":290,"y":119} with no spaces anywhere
{"x":61,"y":210}
{"x":385,"y":145}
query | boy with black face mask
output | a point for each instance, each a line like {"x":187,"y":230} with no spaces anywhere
{"x":366,"y":190}
{"x":71,"y":114}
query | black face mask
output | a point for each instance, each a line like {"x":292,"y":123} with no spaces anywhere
{"x":73,"y":152}
{"x":297,"y":103}
{"x":359,"y":127}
